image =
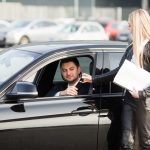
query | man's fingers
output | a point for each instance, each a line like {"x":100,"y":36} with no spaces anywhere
{"x":72,"y":90}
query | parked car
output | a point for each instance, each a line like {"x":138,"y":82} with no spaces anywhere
{"x":104,"y":21}
{"x":13,"y":26}
{"x":4,"y":24}
{"x":29,"y":120}
{"x":124,"y":36}
{"x":80,"y":30}
{"x":114,"y":28}
{"x":35,"y":31}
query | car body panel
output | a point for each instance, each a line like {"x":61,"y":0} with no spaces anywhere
{"x":4,"y":23}
{"x":43,"y":122}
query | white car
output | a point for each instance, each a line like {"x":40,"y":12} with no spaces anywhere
{"x":4,"y":24}
{"x":13,"y":26}
{"x":80,"y":30}
{"x":33,"y":31}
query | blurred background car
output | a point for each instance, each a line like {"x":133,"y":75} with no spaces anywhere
{"x":33,"y":31}
{"x":4,"y":24}
{"x":102,"y":20}
{"x":14,"y":25}
{"x":113,"y":28}
{"x":80,"y":30}
{"x":124,"y":34}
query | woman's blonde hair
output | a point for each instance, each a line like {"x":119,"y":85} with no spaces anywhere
{"x":140,"y":22}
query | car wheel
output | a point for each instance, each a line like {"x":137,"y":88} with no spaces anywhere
{"x":24,"y":40}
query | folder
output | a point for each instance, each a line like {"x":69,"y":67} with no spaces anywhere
{"x":132,"y":77}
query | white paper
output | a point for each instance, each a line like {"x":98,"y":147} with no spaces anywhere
{"x":132,"y":77}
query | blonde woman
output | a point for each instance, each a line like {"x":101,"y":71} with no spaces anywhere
{"x":137,"y":103}
{"x":139,"y":26}
{"x":115,"y":130}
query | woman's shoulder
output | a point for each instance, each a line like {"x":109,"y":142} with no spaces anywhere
{"x":147,"y":45}
{"x":148,"y":42}
{"x":146,"y":56}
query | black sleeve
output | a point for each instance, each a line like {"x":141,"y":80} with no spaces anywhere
{"x":109,"y":76}
{"x":145,"y":94}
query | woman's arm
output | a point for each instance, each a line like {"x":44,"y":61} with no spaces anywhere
{"x":106,"y":77}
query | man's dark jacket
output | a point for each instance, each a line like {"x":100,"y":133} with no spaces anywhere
{"x":83,"y":88}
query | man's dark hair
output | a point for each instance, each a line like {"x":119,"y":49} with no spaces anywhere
{"x":70,"y":59}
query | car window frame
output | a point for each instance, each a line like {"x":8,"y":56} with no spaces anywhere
{"x":111,"y":84}
{"x":48,"y":61}
{"x":50,"y":58}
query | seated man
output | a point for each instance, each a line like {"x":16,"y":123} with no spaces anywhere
{"x":71,"y":73}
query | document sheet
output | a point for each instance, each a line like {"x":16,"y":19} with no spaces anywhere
{"x":132,"y":77}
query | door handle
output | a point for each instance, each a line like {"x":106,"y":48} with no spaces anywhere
{"x":86,"y":110}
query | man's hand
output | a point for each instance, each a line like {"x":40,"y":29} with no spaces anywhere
{"x":70,"y":91}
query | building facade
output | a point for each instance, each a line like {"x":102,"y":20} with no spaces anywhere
{"x":116,"y":9}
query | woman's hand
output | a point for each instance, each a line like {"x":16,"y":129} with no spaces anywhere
{"x":86,"y":78}
{"x":134,"y":93}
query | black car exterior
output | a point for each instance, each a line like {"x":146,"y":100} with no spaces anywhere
{"x":29,"y":120}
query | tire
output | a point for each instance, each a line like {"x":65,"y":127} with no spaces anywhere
{"x":24,"y":40}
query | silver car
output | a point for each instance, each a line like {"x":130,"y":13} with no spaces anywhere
{"x":34,"y":31}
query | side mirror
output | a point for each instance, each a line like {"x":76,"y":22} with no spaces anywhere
{"x":22,"y":90}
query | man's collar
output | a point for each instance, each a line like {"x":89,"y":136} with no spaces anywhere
{"x":74,"y":83}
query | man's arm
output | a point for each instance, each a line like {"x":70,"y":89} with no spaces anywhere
{"x":70,"y":91}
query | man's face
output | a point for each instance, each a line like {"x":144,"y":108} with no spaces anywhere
{"x":70,"y":72}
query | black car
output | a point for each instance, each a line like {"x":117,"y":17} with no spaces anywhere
{"x":29,"y":120}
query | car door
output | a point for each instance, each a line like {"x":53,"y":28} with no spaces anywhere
{"x":110,"y":101}
{"x":49,"y":123}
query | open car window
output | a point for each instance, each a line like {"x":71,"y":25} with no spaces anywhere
{"x":84,"y":63}
{"x":49,"y":76}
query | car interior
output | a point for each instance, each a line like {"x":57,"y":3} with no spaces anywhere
{"x":50,"y":75}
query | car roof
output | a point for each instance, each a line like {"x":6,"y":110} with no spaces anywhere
{"x":83,"y":23}
{"x":54,"y":46}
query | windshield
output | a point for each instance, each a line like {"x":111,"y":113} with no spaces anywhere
{"x":20,"y":24}
{"x":13,"y":61}
{"x":70,"y":28}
